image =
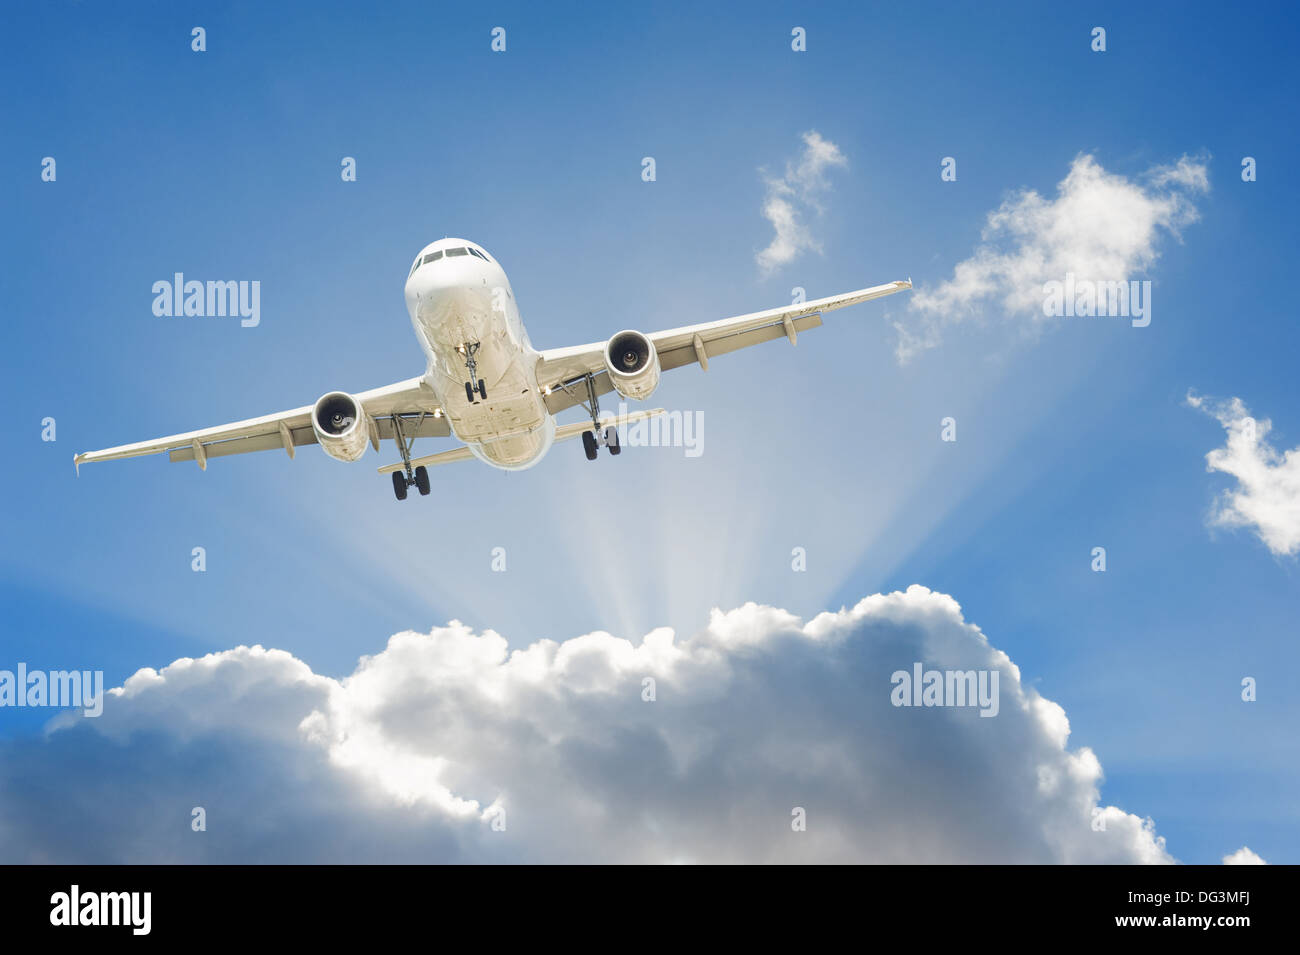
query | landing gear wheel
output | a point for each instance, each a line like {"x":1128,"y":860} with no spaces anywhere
{"x":482,"y":390}
{"x":422,"y":479}
{"x":469,"y":392}
{"x":611,"y":440}
{"x":589,"y":444}
{"x":399,"y":485}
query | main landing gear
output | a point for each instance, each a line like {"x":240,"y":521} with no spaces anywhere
{"x":470,"y":350}
{"x":591,"y":443}
{"x":401,"y":482}
{"x":407,"y":476}
{"x":593,"y":439}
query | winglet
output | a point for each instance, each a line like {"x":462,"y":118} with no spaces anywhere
{"x":76,"y":463}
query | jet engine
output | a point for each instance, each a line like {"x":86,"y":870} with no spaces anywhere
{"x":341,"y":426}
{"x":633,"y":365}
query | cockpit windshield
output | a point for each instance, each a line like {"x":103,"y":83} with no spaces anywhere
{"x":435,"y":256}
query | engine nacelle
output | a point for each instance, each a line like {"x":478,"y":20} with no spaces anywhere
{"x":341,"y":426}
{"x":633,"y":365}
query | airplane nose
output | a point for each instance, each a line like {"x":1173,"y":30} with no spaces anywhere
{"x":449,"y":274}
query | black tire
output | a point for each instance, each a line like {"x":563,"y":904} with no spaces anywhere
{"x":422,"y":480}
{"x":399,"y":485}
{"x":469,"y":392}
{"x":611,"y":440}
{"x":482,"y":390}
{"x":589,"y":444}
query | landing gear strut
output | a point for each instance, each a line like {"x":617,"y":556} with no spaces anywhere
{"x":403,"y":479}
{"x":470,"y":350}
{"x":593,"y":439}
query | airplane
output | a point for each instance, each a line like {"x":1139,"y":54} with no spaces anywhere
{"x":484,"y":381}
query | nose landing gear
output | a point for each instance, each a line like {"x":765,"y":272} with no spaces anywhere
{"x":470,"y":350}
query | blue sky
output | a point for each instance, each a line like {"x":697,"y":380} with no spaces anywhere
{"x":225,"y":164}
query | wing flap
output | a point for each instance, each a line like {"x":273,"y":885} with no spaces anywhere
{"x":430,"y":427}
{"x":681,"y":355}
{"x":257,"y":442}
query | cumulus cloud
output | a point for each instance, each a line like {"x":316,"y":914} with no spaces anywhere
{"x":791,"y":197}
{"x":1267,"y":496}
{"x":429,"y":746}
{"x":1100,"y":227}
{"x":1243,"y":856}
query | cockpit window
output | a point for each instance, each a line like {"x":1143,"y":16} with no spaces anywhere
{"x":435,"y":256}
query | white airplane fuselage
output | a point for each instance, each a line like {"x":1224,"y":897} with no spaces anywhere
{"x":460,"y":303}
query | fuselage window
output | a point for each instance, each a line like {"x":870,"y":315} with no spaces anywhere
{"x":433,"y":256}
{"x":474,"y":251}
{"x":456,"y":252}
{"x":417,"y":264}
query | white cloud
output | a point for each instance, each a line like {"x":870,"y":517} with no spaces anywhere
{"x":1243,"y":856}
{"x":409,"y":757}
{"x":1267,"y":496}
{"x":790,"y":197}
{"x":1101,"y":227}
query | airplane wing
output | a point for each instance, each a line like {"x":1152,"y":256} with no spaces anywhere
{"x":412,"y":399}
{"x":559,"y":370}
